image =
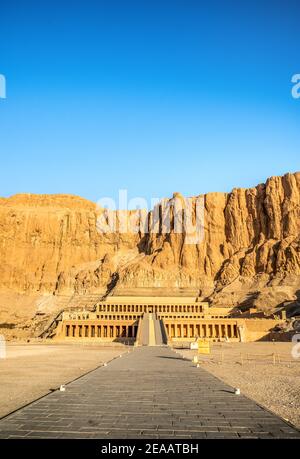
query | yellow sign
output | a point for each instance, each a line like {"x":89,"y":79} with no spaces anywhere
{"x":203,"y":346}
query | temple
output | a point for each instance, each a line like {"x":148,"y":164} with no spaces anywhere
{"x":162,"y":320}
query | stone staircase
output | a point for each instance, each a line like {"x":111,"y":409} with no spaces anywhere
{"x":151,"y":331}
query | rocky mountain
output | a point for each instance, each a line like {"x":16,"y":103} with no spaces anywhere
{"x":250,"y":253}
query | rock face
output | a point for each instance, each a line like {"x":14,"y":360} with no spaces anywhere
{"x":49,"y":244}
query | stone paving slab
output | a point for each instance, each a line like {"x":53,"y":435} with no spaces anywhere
{"x":149,"y":393}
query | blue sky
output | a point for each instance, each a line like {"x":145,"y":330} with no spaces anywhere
{"x":150,"y":96}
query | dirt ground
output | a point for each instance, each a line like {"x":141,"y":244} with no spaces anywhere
{"x":30,"y":371}
{"x":265,"y":372}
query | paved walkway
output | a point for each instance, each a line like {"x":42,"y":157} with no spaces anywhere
{"x":149,"y":393}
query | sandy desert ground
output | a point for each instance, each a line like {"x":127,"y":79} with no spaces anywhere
{"x":251,"y":367}
{"x":30,"y":371}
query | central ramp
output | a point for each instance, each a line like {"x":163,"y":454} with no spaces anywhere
{"x":151,"y":331}
{"x":149,"y":393}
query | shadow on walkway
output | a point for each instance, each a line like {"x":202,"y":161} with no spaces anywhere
{"x":169,"y":357}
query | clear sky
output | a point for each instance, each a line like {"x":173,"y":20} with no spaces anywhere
{"x":151,"y":96}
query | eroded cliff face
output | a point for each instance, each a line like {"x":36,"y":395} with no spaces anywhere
{"x":50,"y":244}
{"x":251,"y":240}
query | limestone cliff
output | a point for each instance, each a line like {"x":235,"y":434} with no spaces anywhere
{"x":251,"y":243}
{"x":49,"y":244}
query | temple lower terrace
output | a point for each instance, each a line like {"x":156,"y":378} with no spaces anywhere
{"x":162,"y":320}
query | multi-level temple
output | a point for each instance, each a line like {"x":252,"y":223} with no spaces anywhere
{"x":159,"y":320}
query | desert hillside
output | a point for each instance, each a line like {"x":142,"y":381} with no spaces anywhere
{"x":51,"y":251}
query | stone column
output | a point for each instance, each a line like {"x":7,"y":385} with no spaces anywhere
{"x":200,"y":330}
{"x":187,"y":330}
{"x":213,"y":330}
{"x":232,"y":331}
{"x":228,"y":330}
{"x":216,"y":331}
